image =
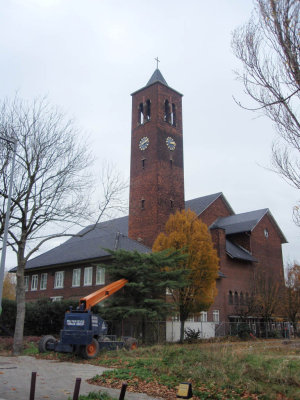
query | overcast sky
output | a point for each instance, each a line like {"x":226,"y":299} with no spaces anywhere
{"x":89,"y":55}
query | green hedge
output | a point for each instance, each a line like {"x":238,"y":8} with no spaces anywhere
{"x":42,"y":317}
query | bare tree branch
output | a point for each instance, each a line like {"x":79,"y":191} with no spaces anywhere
{"x":268,"y":47}
{"x":52,"y":184}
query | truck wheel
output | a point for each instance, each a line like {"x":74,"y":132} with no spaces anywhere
{"x":44,"y":341}
{"x":90,"y":350}
{"x":130,"y":344}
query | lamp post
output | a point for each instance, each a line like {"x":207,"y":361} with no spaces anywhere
{"x":3,"y":254}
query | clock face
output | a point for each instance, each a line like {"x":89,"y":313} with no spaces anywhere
{"x":144,"y":143}
{"x":170,"y":143}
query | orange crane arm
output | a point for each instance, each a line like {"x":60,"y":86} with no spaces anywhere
{"x":101,"y":294}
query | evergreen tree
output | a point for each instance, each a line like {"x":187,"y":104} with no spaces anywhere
{"x":144,"y":296}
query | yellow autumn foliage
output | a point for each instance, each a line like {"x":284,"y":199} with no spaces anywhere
{"x":186,"y":233}
{"x":9,"y":287}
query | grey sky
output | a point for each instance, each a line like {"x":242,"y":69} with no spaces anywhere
{"x":89,"y":55}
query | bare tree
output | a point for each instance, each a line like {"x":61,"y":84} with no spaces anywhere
{"x":52,"y":184}
{"x":291,"y":303}
{"x":268,"y":47}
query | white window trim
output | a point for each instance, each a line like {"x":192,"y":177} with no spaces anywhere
{"x":56,"y":298}
{"x":88,"y":274}
{"x":44,"y":274}
{"x":203,"y":316}
{"x":26,"y":283}
{"x":34,"y":279}
{"x":216,"y":316}
{"x":62,"y":280}
{"x":76,"y":284}
{"x":101,"y":274}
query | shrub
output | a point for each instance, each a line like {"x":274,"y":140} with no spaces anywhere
{"x":41,"y":318}
{"x":191,"y":335}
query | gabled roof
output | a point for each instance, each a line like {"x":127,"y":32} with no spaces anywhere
{"x":157,"y":77}
{"x":200,"y":204}
{"x":245,"y":222}
{"x":107,"y":235}
{"x":113,"y":234}
{"x":235,"y":251}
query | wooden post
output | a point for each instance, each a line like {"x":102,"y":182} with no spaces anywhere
{"x":32,"y":386}
{"x":77,"y":388}
{"x":123,"y":391}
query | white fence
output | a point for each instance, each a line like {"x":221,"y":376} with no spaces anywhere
{"x":207,"y":329}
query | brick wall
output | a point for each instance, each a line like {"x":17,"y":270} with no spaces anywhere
{"x":67,"y":292}
{"x":156,"y":174}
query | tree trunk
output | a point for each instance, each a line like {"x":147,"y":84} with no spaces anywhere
{"x":182,"y":321}
{"x":20,"y":318}
{"x":143,"y":330}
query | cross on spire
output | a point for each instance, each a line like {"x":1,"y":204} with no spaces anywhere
{"x":157,"y":61}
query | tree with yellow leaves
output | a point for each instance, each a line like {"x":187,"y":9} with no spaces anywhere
{"x":9,"y":287}
{"x":186,"y":233}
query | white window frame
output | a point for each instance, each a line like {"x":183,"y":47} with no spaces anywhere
{"x":34,"y":282}
{"x":56,"y":298}
{"x":203,"y":316}
{"x":88,"y":276}
{"x":26,"y":283}
{"x":59,"y":279}
{"x":216,"y":315}
{"x":76,"y":277}
{"x":190,"y":318}
{"x":100,"y":275}
{"x":43,"y":281}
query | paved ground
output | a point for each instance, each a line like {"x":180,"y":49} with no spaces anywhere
{"x":55,"y":380}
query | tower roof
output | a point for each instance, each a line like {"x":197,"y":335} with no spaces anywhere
{"x":157,"y":77}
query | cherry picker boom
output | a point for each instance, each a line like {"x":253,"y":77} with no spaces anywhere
{"x":84,"y":332}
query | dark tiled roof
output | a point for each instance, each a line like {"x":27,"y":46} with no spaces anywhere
{"x":107,"y":235}
{"x":200,"y":204}
{"x":157,"y":77}
{"x":238,"y":252}
{"x":113,"y":235}
{"x":237,"y":223}
{"x":245,"y":222}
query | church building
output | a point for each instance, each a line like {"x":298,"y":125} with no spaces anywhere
{"x":245,"y":242}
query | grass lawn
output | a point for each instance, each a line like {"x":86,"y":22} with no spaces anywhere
{"x":255,"y":370}
{"x":229,"y":370}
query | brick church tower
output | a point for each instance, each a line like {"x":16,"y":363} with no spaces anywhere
{"x":156,"y":173}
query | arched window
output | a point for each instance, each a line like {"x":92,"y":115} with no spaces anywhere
{"x":173,"y":115}
{"x":141,"y":114}
{"x":236,"y":298}
{"x":242,"y":300}
{"x":167,"y":111}
{"x":230,"y":297}
{"x":148,"y":110}
{"x":247,"y":298}
{"x":143,"y":204}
